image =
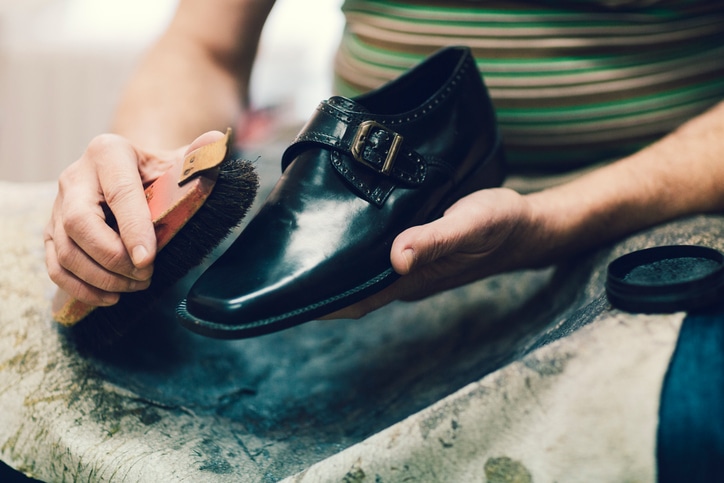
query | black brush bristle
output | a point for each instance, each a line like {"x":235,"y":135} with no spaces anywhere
{"x":223,"y":211}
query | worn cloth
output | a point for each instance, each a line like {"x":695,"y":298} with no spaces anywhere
{"x":527,"y":376}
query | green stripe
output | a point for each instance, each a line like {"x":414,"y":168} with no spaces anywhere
{"x":549,"y":11}
{"x":651,"y":116}
{"x":708,"y":91}
{"x":702,"y":52}
{"x":703,"y":56}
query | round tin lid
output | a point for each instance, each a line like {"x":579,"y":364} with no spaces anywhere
{"x":666,"y":279}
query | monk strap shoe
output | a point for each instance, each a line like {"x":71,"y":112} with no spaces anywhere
{"x":360,"y":171}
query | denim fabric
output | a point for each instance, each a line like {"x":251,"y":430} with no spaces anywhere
{"x":690,"y":440}
{"x":9,"y":475}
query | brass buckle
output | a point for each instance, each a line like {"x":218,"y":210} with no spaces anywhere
{"x":360,"y":138}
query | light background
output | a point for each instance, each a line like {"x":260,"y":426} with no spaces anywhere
{"x":63,"y":63}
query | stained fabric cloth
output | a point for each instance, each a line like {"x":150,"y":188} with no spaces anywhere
{"x":528,"y":375}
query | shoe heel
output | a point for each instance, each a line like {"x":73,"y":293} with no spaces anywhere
{"x":489,"y":173}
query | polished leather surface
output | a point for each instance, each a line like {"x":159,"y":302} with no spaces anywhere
{"x":322,"y":239}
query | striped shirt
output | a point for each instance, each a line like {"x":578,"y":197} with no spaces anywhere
{"x":573,"y":83}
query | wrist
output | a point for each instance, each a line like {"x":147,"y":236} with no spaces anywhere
{"x":548,"y":228}
{"x":592,"y":209}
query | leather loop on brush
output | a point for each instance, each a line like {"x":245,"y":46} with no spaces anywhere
{"x":206,"y":157}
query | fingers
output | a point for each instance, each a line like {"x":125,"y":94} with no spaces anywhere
{"x":474,"y":226}
{"x":84,"y":255}
{"x":98,"y":287}
{"x":121,"y":181}
{"x":482,"y":234}
{"x":151,"y":167}
{"x":424,"y":244}
{"x":204,"y":139}
{"x":415,"y":249}
{"x":73,"y":285}
{"x":92,"y":261}
{"x":116,"y":163}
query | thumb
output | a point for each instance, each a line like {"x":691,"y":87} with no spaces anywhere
{"x":119,"y":180}
{"x":123,"y":190}
{"x":423,"y":244}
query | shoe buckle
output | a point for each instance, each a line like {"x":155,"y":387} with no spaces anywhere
{"x":361,"y":138}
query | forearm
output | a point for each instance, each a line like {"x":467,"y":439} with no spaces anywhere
{"x":195,"y":78}
{"x":681,"y":174}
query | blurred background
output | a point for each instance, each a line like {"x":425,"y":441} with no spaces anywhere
{"x":64,"y":62}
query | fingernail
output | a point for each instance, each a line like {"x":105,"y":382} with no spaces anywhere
{"x":110,"y":299}
{"x":142,"y":274}
{"x":139,"y":255}
{"x":409,"y":255}
{"x":136,"y":286}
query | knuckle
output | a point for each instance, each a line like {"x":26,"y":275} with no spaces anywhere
{"x":123,"y":199}
{"x":65,"y":179}
{"x":116,"y":261}
{"x":133,"y":228}
{"x":65,"y":254}
{"x":123,"y":188}
{"x":68,"y":180}
{"x":101,"y":144}
{"x":109,"y":283}
{"x":437,"y":242}
{"x":48,"y":232}
{"x":75,"y":221}
{"x":55,"y":273}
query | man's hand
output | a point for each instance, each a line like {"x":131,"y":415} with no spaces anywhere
{"x":485,"y":233}
{"x":87,"y":258}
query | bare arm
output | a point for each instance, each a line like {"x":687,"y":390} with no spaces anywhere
{"x":681,"y":174}
{"x":194,"y":80}
{"x":196,"y":77}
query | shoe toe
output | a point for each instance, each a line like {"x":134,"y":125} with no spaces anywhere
{"x":299,"y":258}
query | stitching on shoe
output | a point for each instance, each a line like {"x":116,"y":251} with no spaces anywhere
{"x":183,"y":312}
{"x":334,"y":142}
{"x":395,"y":119}
{"x":377,"y":196}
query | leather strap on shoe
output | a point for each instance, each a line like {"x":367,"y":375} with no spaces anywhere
{"x":374,"y":158}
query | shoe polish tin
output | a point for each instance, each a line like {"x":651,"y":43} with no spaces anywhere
{"x":666,"y":279}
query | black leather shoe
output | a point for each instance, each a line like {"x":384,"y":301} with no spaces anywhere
{"x":360,"y":172}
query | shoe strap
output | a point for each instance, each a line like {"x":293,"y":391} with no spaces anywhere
{"x":370,"y":155}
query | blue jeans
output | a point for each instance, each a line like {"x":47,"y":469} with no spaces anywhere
{"x":690,"y":440}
